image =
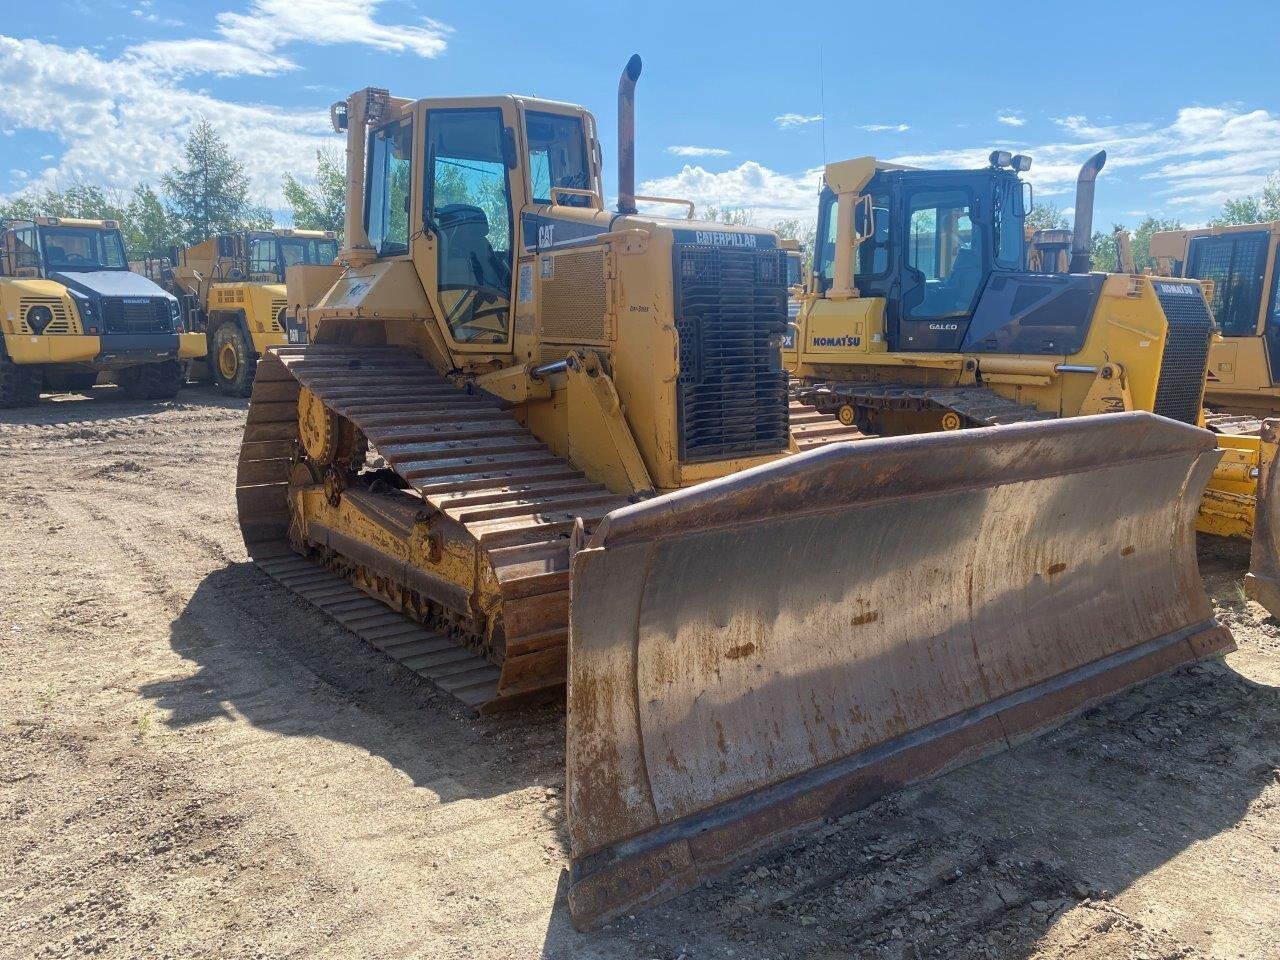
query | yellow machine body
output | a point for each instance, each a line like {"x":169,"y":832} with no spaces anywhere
{"x":70,"y":310}
{"x":233,"y":288}
{"x":529,"y":441}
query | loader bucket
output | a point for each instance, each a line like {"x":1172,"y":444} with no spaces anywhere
{"x":755,"y":654}
{"x":1262,"y":583}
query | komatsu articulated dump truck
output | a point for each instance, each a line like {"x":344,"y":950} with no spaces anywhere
{"x":532,"y":442}
{"x":70,"y":310}
{"x":232,"y":287}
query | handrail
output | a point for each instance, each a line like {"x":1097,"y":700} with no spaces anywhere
{"x":676,"y":200}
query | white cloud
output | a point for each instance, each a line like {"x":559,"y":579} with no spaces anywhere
{"x":885,"y":127}
{"x":1010,"y":118}
{"x":1204,"y":156}
{"x":123,"y":121}
{"x":697,"y":151}
{"x":791,"y":120}
{"x":770,"y":195}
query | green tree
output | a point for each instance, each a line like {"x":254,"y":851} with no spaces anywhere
{"x":79,"y":200}
{"x":737,"y":217}
{"x":1257,"y":209}
{"x":803,"y":232}
{"x":208,"y":191}
{"x":1103,"y":252}
{"x":1047,"y":216}
{"x":1142,"y":259}
{"x":148,"y":229}
{"x":321,"y":205}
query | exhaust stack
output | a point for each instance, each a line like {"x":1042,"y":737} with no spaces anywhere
{"x":1082,"y":232}
{"x":627,"y":135}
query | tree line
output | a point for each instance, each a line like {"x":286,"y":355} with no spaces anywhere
{"x":204,"y":193}
{"x":207,"y":192}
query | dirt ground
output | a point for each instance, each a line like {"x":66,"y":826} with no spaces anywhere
{"x":195,"y":764}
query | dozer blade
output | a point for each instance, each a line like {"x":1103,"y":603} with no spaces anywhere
{"x":759,"y":652}
{"x":1262,"y":583}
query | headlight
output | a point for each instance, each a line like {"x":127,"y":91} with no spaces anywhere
{"x":38,"y":318}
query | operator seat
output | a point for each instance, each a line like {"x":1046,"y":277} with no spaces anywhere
{"x":469,"y":260}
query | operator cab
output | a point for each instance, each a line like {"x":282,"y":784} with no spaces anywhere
{"x":946,"y":251}
{"x":51,"y":245}
{"x":270,"y":252}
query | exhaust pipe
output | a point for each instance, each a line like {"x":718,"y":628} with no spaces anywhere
{"x":1082,"y":232}
{"x":627,"y":135}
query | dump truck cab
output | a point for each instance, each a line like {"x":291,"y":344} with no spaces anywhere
{"x":71,"y":309}
{"x":920,"y":284}
{"x":233,"y":291}
{"x":1238,"y":264}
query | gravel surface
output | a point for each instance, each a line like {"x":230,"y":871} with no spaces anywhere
{"x":193,"y":763}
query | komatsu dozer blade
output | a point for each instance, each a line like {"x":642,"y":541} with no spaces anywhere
{"x":763,"y":651}
{"x":1262,"y":583}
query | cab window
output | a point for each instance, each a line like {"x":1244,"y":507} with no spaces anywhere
{"x":1236,"y":263}
{"x":386,"y":215}
{"x":469,"y":210}
{"x":944,"y":251}
{"x":557,"y":157}
{"x":25,"y":254}
{"x":262,"y":255}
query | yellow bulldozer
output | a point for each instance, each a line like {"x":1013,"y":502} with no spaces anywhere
{"x":534,"y":444}
{"x":1238,"y":265}
{"x":71,"y":310}
{"x":233,"y":290}
{"x":921,"y":317}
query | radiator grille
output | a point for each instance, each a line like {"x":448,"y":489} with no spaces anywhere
{"x":61,"y":322}
{"x":575,"y":298}
{"x":136,"y":315}
{"x":1186,"y":352}
{"x":277,"y":314}
{"x":731,"y":313}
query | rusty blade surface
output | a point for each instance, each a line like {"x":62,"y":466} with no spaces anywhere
{"x":1263,"y":580}
{"x":759,"y":652}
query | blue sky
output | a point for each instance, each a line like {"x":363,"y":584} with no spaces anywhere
{"x":738,"y":105}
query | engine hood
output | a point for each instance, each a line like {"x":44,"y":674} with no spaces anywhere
{"x":110,"y":283}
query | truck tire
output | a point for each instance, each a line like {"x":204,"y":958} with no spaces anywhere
{"x":19,"y":383}
{"x":234,"y":361}
{"x":152,"y":381}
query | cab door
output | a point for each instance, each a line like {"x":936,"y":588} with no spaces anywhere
{"x":470,"y":193}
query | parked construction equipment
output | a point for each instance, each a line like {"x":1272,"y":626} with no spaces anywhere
{"x":233,"y":290}
{"x":1238,"y":265}
{"x":70,"y":310}
{"x":531,"y":440}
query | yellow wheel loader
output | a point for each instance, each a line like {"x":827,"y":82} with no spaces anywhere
{"x":70,"y":310}
{"x":533,"y":442}
{"x":233,"y":288}
{"x":1242,"y":393}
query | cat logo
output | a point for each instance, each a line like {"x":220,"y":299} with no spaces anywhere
{"x":547,"y":235}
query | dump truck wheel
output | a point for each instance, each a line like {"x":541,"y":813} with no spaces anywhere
{"x":233,"y":361}
{"x":152,"y":381}
{"x":19,"y":384}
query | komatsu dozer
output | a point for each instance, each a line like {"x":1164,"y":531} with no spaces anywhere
{"x":1238,"y":266}
{"x":71,"y":310}
{"x":232,"y":287}
{"x":533,"y":441}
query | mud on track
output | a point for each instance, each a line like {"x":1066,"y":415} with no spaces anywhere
{"x":194,"y":764}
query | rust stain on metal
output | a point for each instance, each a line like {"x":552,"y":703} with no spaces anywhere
{"x":870,"y":616}
{"x":1057,"y":568}
{"x":739,"y":651}
{"x":1127,"y":551}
